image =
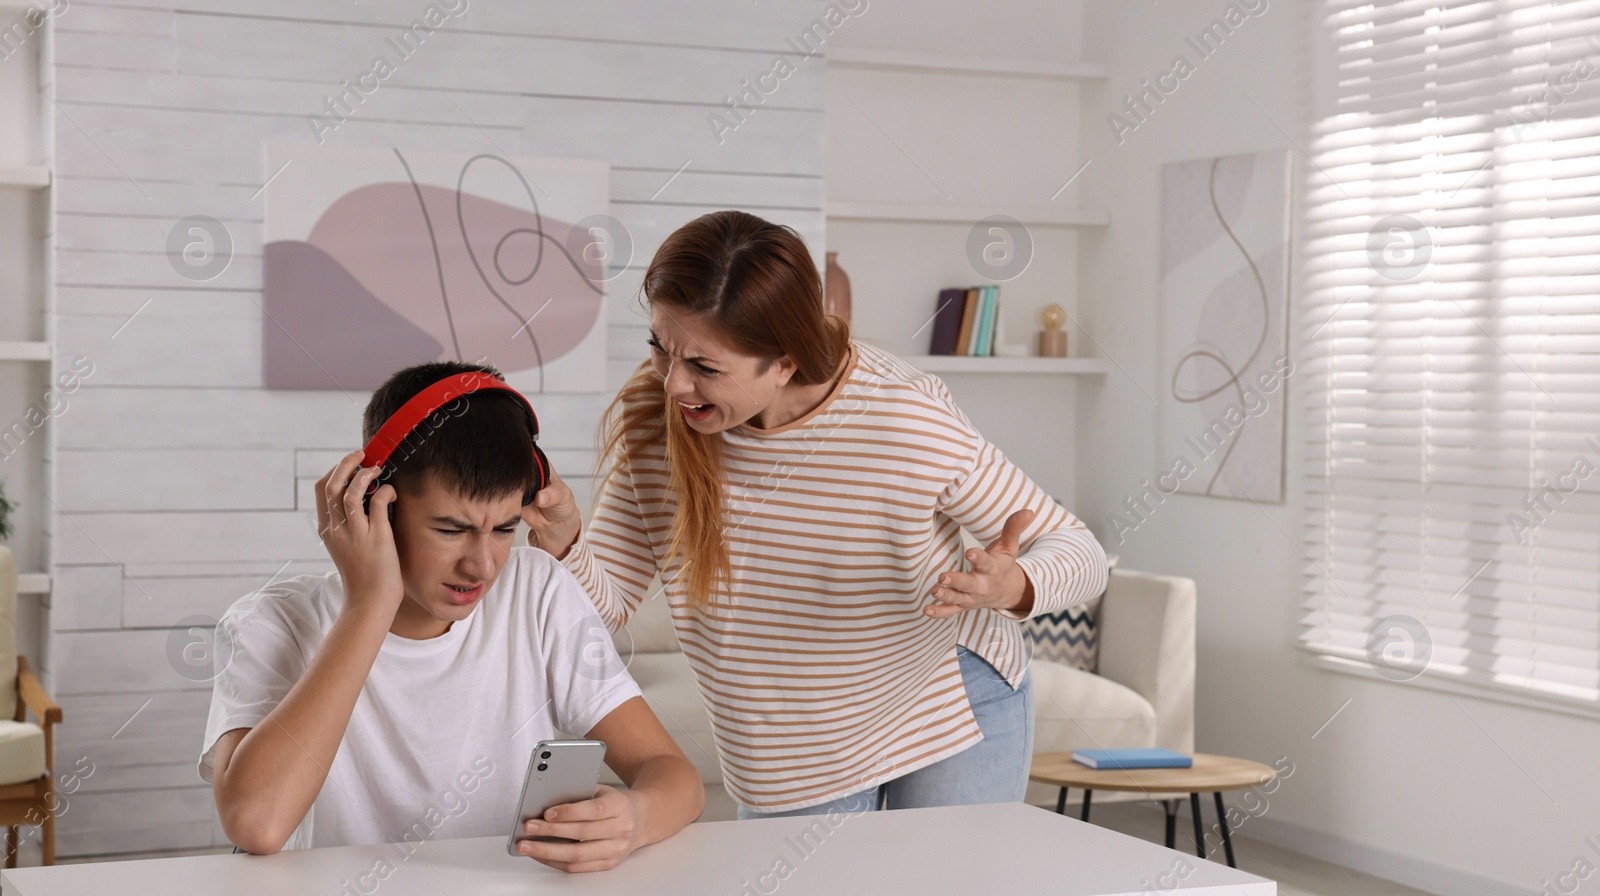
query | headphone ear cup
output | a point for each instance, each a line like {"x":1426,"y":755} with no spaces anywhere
{"x":544,"y":465}
{"x":542,"y":475}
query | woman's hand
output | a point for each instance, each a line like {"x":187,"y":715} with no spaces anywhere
{"x":996,"y":581}
{"x":552,"y":518}
{"x":361,"y":545}
{"x":608,"y":827}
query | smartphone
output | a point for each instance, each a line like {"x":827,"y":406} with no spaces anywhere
{"x":559,"y":772}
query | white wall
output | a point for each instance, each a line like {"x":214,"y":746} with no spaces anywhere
{"x":1405,"y":782}
{"x":182,"y":482}
{"x":959,"y":139}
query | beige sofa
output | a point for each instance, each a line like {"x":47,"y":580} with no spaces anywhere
{"x":1143,"y":695}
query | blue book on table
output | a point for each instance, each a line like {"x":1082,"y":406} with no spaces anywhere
{"x":1153,"y":758}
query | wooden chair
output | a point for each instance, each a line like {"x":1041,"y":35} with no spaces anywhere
{"x":27,"y":750}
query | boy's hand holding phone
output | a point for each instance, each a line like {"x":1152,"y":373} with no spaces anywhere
{"x":361,"y":544}
{"x":607,"y":828}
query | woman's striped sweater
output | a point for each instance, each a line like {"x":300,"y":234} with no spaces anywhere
{"x":820,"y":672}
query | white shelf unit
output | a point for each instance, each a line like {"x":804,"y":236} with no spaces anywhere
{"x":33,"y":583}
{"x":968,"y":214}
{"x":24,"y":351}
{"x":923,"y":146}
{"x":26,"y":178}
{"x":1003,"y":364}
{"x":944,"y":213}
{"x":33,"y":177}
{"x":942,"y":63}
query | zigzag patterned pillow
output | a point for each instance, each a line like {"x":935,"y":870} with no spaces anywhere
{"x":1069,"y":637}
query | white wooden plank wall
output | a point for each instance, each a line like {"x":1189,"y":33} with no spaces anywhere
{"x":181,"y":483}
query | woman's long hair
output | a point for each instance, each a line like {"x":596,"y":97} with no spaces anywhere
{"x":756,"y":284}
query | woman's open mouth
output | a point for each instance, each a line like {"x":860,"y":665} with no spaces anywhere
{"x":697,"y":411}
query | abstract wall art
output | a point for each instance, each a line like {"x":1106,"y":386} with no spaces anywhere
{"x":376,"y":259}
{"x":1224,"y":282}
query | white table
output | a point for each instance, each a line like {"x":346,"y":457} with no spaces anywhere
{"x":967,"y":850}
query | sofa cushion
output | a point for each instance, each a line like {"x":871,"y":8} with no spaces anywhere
{"x":1070,"y":637}
{"x":670,"y":688}
{"x":1074,"y":709}
{"x":21,"y":752}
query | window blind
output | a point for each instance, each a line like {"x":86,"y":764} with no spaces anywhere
{"x":1451,"y":344}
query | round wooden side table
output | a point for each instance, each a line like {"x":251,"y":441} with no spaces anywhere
{"x":1209,"y":774}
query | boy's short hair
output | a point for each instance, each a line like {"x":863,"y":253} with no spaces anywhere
{"x":478,"y":445}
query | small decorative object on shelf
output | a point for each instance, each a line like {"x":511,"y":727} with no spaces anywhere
{"x":1053,"y":339}
{"x":836,"y":286}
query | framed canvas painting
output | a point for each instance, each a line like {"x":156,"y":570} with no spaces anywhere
{"x":379,"y":258}
{"x":1224,"y":283}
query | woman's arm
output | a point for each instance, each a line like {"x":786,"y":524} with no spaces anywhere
{"x":1051,"y":558}
{"x":612,"y":560}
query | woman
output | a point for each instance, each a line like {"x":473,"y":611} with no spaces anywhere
{"x":801,"y":496}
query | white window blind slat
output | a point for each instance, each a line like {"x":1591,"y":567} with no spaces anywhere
{"x":1450,"y":362}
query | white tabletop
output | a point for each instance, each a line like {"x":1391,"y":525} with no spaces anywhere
{"x":966,"y":850}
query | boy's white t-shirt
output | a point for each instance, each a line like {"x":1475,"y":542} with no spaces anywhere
{"x":440,"y":737}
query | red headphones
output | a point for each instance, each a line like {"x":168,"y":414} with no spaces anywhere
{"x":394,"y":431}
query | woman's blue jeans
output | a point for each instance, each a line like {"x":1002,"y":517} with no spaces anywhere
{"x":994,"y":770}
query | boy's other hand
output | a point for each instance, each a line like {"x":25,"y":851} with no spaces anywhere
{"x":607,"y":828}
{"x":361,"y":545}
{"x":553,"y":519}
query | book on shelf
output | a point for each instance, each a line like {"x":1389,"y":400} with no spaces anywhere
{"x":947,"y":321}
{"x":964,"y":339}
{"x":994,"y":322}
{"x":966,"y":321}
{"x":980,"y":326}
{"x":1132,"y":758}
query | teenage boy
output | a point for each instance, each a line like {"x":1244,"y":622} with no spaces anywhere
{"x":351,"y":707}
